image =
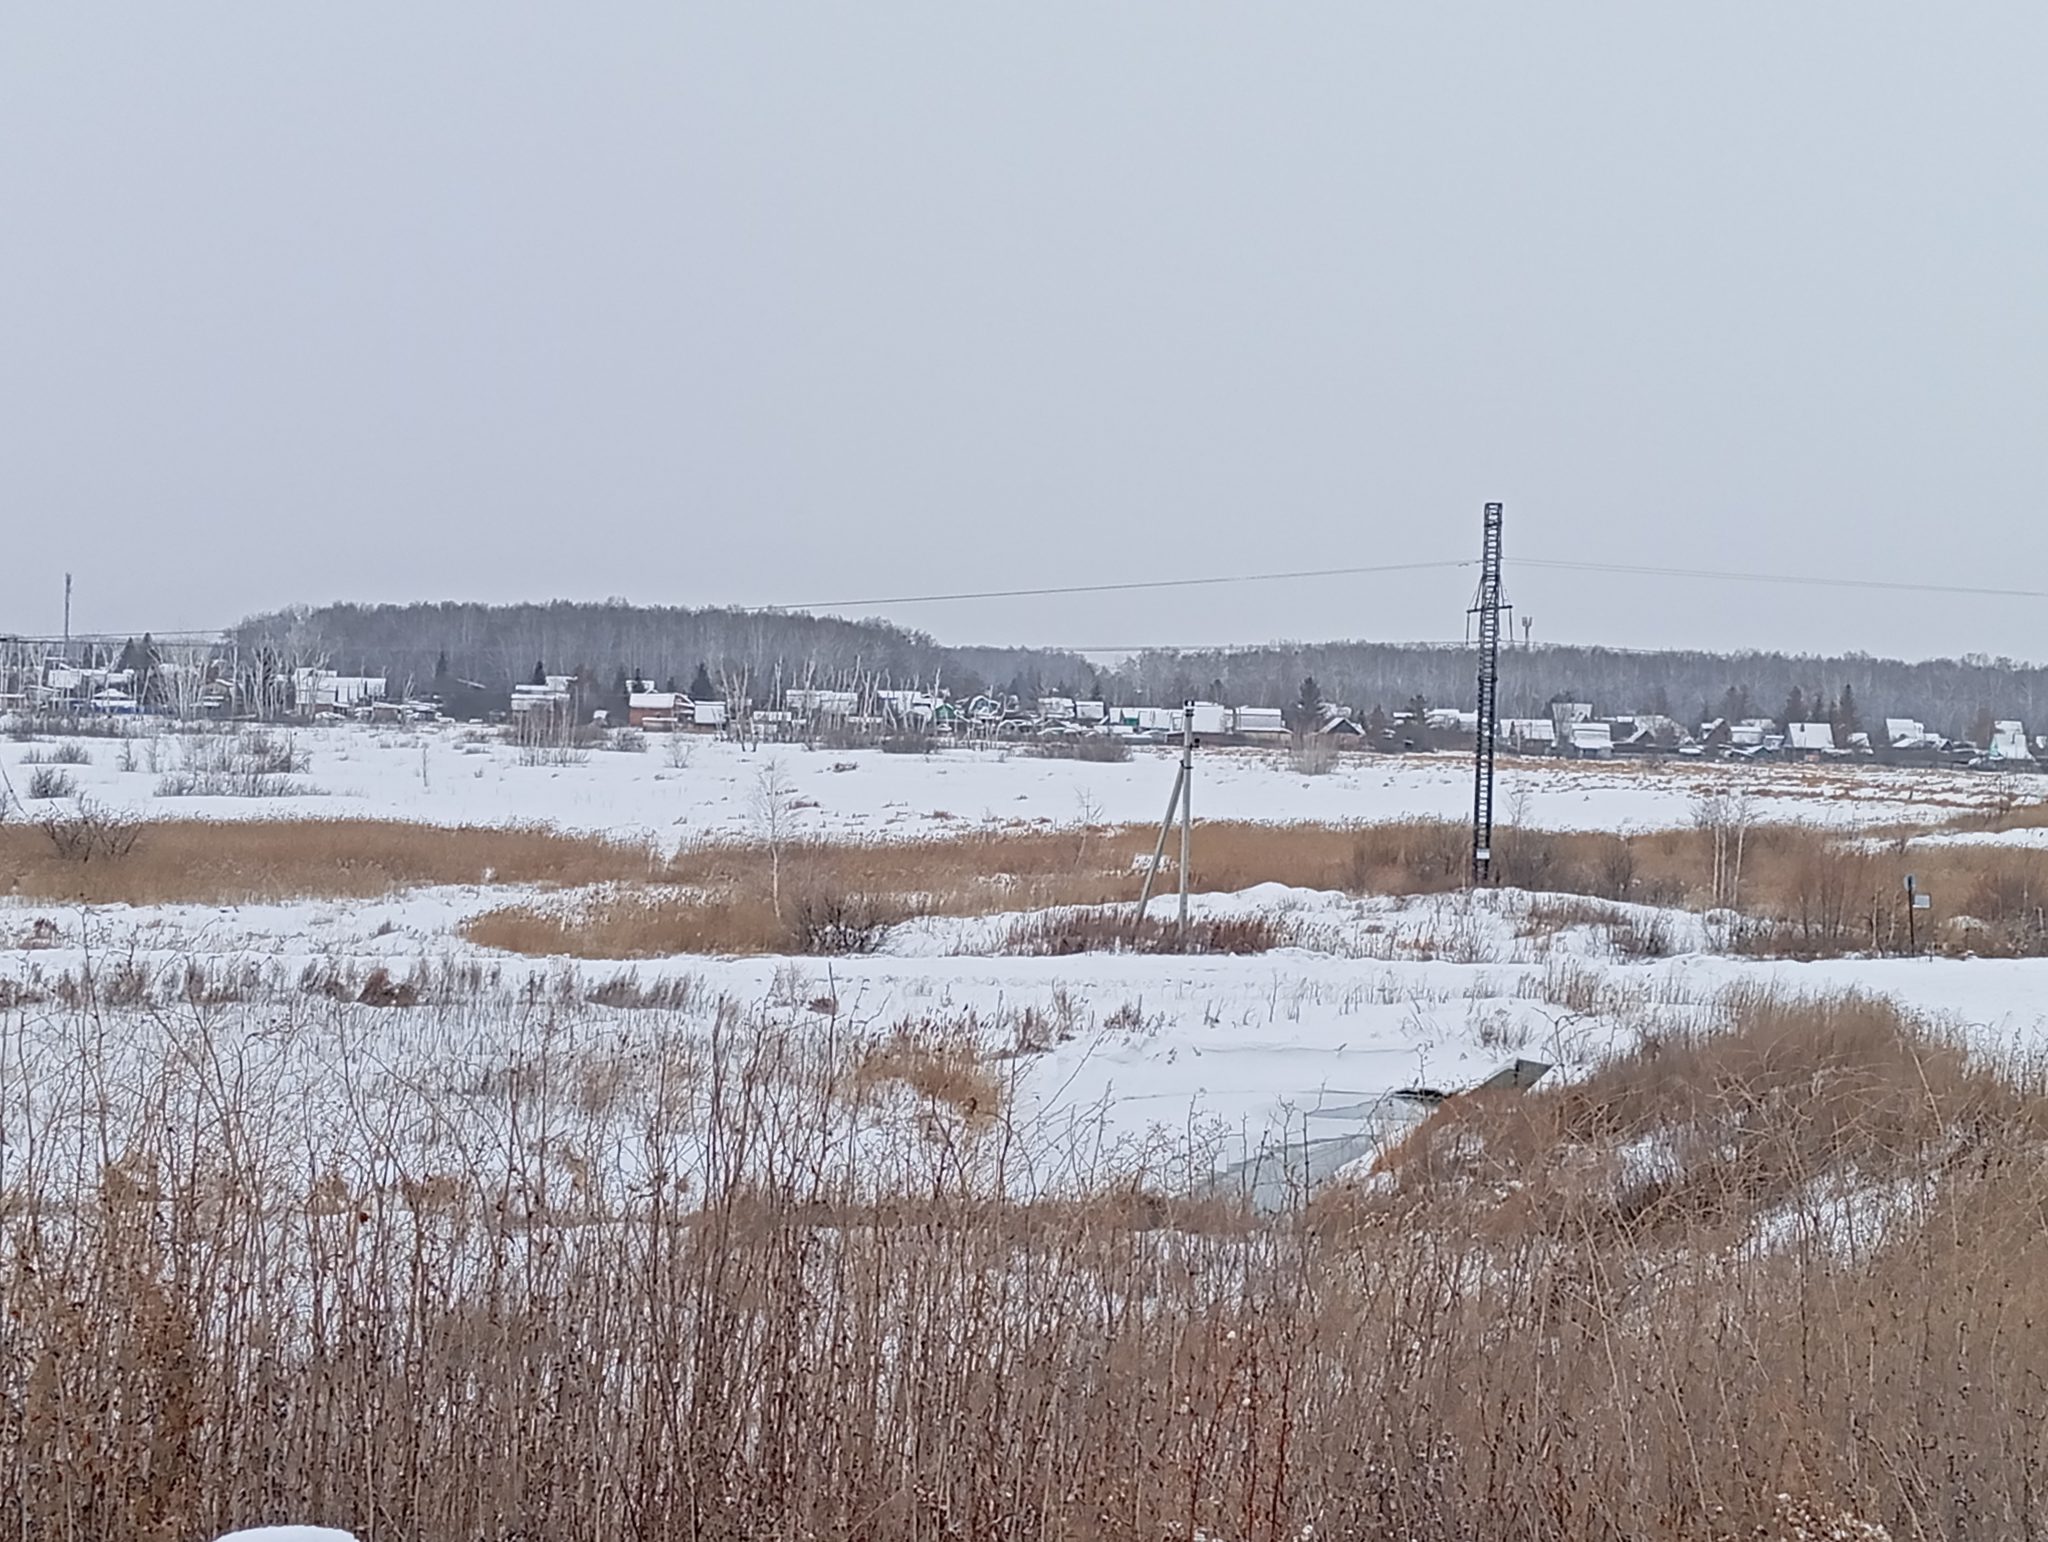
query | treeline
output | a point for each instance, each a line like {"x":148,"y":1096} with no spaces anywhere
{"x":1955,"y":697}
{"x":746,"y":651}
{"x":424,"y":647}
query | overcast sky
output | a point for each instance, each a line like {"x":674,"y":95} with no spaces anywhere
{"x":759,"y":303}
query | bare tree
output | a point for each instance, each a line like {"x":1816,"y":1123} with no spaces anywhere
{"x":1726,"y":817}
{"x":773,"y":806}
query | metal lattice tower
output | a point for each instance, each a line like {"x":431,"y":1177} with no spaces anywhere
{"x":1487,"y":605}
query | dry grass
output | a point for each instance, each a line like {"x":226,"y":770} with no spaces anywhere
{"x":754,"y":1304}
{"x":634,"y":923}
{"x":1059,"y":933}
{"x":1805,"y":893}
{"x":228,"y":861}
{"x":936,"y":1065}
{"x":1713,"y":1125}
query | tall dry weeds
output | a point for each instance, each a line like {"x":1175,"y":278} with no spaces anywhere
{"x":743,"y":1275}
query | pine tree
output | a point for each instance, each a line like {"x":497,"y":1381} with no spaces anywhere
{"x":1794,"y":710}
{"x":1418,"y":722}
{"x":1307,"y":711}
{"x":1846,"y":720}
{"x":540,"y":672}
{"x":701,"y":688}
{"x":441,"y":665}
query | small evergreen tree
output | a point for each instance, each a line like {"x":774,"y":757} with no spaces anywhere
{"x":701,"y":688}
{"x":1306,"y":715}
{"x":1846,"y":719}
{"x":1417,"y":731}
{"x":540,"y":672}
{"x":1794,"y":709}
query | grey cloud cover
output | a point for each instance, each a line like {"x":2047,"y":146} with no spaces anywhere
{"x":766,"y":303}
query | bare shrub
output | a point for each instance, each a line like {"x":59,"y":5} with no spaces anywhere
{"x":89,"y":831}
{"x":1641,"y":935}
{"x":64,"y":753}
{"x":549,"y":739}
{"x":253,"y":763}
{"x":1313,"y":755}
{"x":825,"y":919}
{"x":1103,"y":748}
{"x":48,"y":782}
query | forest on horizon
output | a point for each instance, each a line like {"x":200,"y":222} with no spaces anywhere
{"x":480,"y":651}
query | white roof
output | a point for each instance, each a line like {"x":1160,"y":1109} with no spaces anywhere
{"x":1592,"y":736}
{"x":2009,"y":741}
{"x":1810,"y":736}
{"x":653,"y":701}
{"x":1540,"y":729}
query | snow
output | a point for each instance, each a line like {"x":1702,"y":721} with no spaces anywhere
{"x":1192,"y":1064}
{"x":1177,"y":1066}
{"x":290,"y":1534}
{"x":698,"y":785}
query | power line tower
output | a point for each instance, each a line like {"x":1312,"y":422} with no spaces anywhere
{"x":1487,"y":605}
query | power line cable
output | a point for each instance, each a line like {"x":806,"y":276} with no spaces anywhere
{"x":1555,"y":564}
{"x":1800,"y":580}
{"x":1125,"y":587}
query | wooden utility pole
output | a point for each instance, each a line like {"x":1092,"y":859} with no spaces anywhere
{"x":1179,"y":803}
{"x":1187,"y":798}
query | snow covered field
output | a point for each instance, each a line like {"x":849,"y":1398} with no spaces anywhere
{"x":372,"y":1098}
{"x":675,"y":789}
{"x":1211,"y":1058}
{"x":1174,"y":1065}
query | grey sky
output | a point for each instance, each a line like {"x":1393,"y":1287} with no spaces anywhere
{"x":759,"y":303}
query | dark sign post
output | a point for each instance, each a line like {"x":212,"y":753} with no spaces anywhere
{"x":1913,"y":898}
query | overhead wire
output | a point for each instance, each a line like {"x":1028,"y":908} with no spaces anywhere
{"x":1800,"y":580}
{"x":1556,"y":564}
{"x":1214,"y":580}
{"x":1137,"y":583}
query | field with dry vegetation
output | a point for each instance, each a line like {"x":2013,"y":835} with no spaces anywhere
{"x":548,"y":1263}
{"x":818,"y":1181}
{"x":1798,"y":890}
